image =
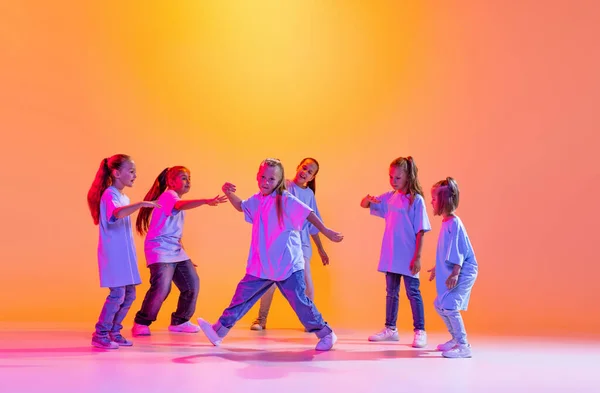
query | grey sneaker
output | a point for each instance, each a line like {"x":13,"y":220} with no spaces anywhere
{"x":103,"y":342}
{"x":326,"y":343}
{"x":459,"y":351}
{"x":386,"y":334}
{"x":448,"y":345}
{"x":186,"y":327}
{"x":122,"y":341}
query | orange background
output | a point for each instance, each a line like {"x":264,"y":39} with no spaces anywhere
{"x":500,"y":95}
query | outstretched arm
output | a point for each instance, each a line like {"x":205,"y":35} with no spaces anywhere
{"x":366,"y":201}
{"x":229,"y":191}
{"x":330,"y":234}
{"x":190,"y":204}
{"x":125,"y":211}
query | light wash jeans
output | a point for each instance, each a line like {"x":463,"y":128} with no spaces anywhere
{"x":455,"y":324}
{"x":252,"y":288}
{"x":117,"y":304}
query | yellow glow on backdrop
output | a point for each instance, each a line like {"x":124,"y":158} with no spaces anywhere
{"x":472,"y":91}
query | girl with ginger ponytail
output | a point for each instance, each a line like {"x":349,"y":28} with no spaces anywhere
{"x":165,"y":256}
{"x":117,"y":259}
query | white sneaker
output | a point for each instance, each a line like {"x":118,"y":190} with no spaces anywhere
{"x":459,"y":351}
{"x":186,"y":327}
{"x":448,"y":345}
{"x":420,"y":339}
{"x":140,"y":330}
{"x":209,"y":332}
{"x":386,"y":334}
{"x":326,"y":343}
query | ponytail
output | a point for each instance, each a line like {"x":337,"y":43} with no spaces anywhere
{"x":158,"y":187}
{"x":102,"y":181}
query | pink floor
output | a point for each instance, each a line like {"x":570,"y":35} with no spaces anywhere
{"x":59,"y":358}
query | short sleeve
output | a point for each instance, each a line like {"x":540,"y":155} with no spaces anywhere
{"x":455,"y":253}
{"x":167,"y":201}
{"x":250,"y":207}
{"x":111,"y":201}
{"x":296,"y":210}
{"x":381,"y":209}
{"x":311,"y":228}
{"x":420,"y":219}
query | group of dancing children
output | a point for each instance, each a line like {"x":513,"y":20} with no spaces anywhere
{"x":284,"y":218}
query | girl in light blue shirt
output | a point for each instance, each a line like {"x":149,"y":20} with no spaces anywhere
{"x":455,"y":268}
{"x":275,"y":255}
{"x":406,"y":222}
{"x":303,"y":187}
{"x":165,"y":256}
{"x":117,"y":259}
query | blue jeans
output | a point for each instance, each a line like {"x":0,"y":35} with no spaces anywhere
{"x":117,"y":304}
{"x":293,"y":288}
{"x":184,"y":275}
{"x":413,"y":293}
{"x":455,"y":324}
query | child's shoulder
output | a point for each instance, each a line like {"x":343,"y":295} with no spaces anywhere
{"x":111,"y":192}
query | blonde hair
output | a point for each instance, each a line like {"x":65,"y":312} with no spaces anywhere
{"x":447,"y":194}
{"x":408,"y":165}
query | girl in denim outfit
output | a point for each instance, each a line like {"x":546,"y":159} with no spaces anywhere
{"x":455,"y":268}
{"x":165,"y":256}
{"x":406,"y":222}
{"x":275,"y":255}
{"x":302,"y":187}
{"x":117,"y":260}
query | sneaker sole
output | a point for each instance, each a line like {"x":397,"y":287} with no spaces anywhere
{"x":383,"y":340}
{"x":96,"y":345}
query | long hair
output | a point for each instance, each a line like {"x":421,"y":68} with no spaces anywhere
{"x":158,"y":187}
{"x":313,"y":183}
{"x":408,"y":165}
{"x":280,"y":188}
{"x":102,"y":181}
{"x":447,"y":194}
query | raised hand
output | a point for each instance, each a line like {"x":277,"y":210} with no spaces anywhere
{"x":372,"y":199}
{"x":228,"y":188}
{"x":216,"y":200}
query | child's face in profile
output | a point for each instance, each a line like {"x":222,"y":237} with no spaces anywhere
{"x":125,"y":176}
{"x":398,"y":178}
{"x":268,"y":178}
{"x":181,"y":183}
{"x":435,"y":202}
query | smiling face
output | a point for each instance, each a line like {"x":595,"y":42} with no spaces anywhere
{"x":306,"y":171}
{"x":268,"y":178}
{"x":180,"y":182}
